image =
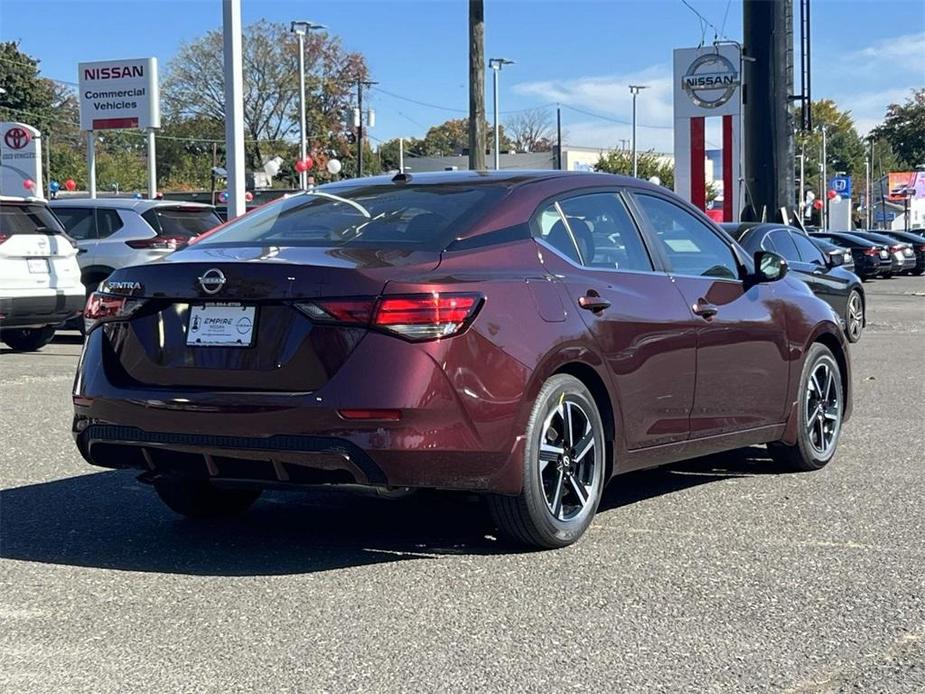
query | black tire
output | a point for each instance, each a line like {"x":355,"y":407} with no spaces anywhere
{"x":920,"y":271}
{"x":805,"y":454}
{"x":200,"y":499}
{"x":28,"y":339}
{"x":529,"y":518}
{"x":855,"y":316}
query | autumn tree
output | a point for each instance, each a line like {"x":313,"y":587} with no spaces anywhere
{"x":452,"y":137}
{"x":903,"y":129}
{"x":193,"y":87}
{"x":532,"y":130}
{"x":844,"y":147}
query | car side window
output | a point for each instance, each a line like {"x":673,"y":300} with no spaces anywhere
{"x":783,"y":243}
{"x":605,"y":232}
{"x":108,"y":222}
{"x":550,"y":227}
{"x":691,"y":246}
{"x":78,"y":221}
{"x":808,"y":250}
{"x":151,"y":218}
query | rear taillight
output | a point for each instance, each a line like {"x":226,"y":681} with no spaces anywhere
{"x":159,"y":243}
{"x":873,"y":250}
{"x":427,"y":316}
{"x":413,"y":317}
{"x":921,"y":248}
{"x":4,"y":237}
{"x":101,"y":307}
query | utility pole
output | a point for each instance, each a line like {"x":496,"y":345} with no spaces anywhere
{"x":359,"y":122}
{"x":401,"y":155}
{"x":477,"y":85}
{"x":558,"y":137}
{"x":824,"y":184}
{"x":634,"y":90}
{"x":496,"y":64}
{"x":867,"y":191}
{"x":802,"y":199}
{"x":768,"y":120}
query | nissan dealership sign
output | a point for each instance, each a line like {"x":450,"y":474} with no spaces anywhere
{"x":119,"y":94}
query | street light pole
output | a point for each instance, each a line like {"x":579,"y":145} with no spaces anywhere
{"x":634,"y":90}
{"x":300,"y":29}
{"x":496,"y":64}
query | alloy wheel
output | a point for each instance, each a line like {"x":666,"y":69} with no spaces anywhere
{"x":823,"y":408}
{"x":855,"y":323}
{"x":568,"y":461}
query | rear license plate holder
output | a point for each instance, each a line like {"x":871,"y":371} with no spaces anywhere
{"x":37,"y":266}
{"x":221,"y":325}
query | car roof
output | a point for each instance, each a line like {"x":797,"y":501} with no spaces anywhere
{"x":844,"y":235}
{"x":135,"y":204}
{"x":22,"y":199}
{"x":507,"y":177}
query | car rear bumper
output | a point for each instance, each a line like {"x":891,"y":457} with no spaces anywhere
{"x":52,"y":308}
{"x":301,"y":438}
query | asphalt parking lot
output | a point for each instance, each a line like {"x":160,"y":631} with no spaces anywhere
{"x":721,"y":574}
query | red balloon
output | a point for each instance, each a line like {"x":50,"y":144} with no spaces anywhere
{"x":248,"y":196}
{"x":817,"y":204}
{"x":308,"y":163}
{"x":28,"y":184}
{"x":300,"y":166}
{"x":832,"y":195}
{"x":70,"y":184}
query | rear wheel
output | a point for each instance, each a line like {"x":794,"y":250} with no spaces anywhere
{"x":854,"y":316}
{"x":28,"y":339}
{"x":821,"y":408}
{"x":563,"y":469}
{"x":200,"y":499}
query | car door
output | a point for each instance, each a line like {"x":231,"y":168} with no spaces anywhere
{"x":631,"y":309}
{"x":80,"y":224}
{"x":742,"y":348}
{"x":831,"y":287}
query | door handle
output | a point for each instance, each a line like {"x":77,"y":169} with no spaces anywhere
{"x":593,"y":302}
{"x":81,"y":250}
{"x":704,"y":309}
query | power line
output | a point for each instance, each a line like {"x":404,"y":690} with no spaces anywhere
{"x":616,"y":120}
{"x":704,"y":22}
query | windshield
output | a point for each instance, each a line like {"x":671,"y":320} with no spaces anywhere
{"x":181,"y":222}
{"x":422,"y":217}
{"x":27,"y":219}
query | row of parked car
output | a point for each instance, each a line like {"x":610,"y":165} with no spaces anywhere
{"x":52,"y":255}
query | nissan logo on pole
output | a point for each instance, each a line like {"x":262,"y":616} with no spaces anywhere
{"x":212,"y":281}
{"x":711,"y":80}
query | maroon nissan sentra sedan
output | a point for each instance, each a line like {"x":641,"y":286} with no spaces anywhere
{"x":526,"y":335}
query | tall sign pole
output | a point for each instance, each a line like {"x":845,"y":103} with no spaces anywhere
{"x":91,"y":163}
{"x":476,"y":85}
{"x":152,"y":166}
{"x":234,"y":106}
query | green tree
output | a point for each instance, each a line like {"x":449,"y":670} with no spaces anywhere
{"x":904,"y":129}
{"x":29,"y":97}
{"x":844,"y":147}
{"x":649,"y":164}
{"x":452,"y":137}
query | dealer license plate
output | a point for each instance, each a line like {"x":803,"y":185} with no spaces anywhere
{"x":221,"y":325}
{"x":37,"y":266}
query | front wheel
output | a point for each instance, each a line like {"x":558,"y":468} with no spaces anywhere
{"x":854,"y":316}
{"x":200,"y":499}
{"x":821,"y":408}
{"x":563,"y":469}
{"x":28,"y":339}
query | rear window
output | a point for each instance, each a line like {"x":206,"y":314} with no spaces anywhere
{"x":422,"y":217}
{"x":27,"y":218}
{"x":181,"y":222}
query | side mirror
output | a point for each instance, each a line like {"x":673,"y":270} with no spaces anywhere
{"x":835,"y":258}
{"x":769,"y":266}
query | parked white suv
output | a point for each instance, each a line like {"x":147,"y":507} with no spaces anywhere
{"x":112,"y":233}
{"x":40,"y":284}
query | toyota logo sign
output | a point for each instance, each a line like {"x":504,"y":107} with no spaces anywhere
{"x":17,"y":138}
{"x":711,"y":80}
{"x":212,"y":281}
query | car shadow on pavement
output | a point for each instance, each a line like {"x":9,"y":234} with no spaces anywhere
{"x":108,"y":520}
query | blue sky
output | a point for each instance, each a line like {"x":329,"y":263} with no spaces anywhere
{"x":582,"y":53}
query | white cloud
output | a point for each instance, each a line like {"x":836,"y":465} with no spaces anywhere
{"x":609,"y":95}
{"x":895,"y":48}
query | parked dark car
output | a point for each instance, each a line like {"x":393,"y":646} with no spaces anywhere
{"x":870,"y":259}
{"x":917,"y":241}
{"x":525,"y":335}
{"x":839,"y":288}
{"x":830,"y":249}
{"x":903,"y":255}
